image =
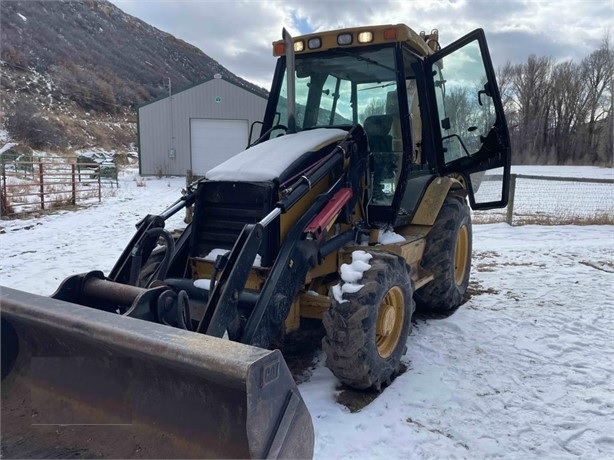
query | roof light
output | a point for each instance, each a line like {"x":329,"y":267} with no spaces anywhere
{"x":390,"y":34}
{"x":365,"y":37}
{"x":344,"y":39}
{"x":278,"y":49}
{"x":314,"y":43}
{"x":299,"y":46}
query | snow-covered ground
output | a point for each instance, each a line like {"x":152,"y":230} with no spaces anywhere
{"x":524,"y":369}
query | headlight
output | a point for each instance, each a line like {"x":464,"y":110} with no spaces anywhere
{"x":365,"y":37}
{"x":314,"y":43}
{"x":344,"y":39}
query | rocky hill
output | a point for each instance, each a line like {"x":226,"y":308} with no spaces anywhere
{"x":72,"y":72}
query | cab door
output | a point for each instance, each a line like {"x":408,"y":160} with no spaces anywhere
{"x":471,"y":134}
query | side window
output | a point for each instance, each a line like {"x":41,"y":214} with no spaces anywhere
{"x":464,"y":102}
{"x":413,"y":106}
{"x":378,"y":110}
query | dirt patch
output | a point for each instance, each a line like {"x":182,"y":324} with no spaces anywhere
{"x":475,"y":288}
{"x":487,"y":267}
{"x":602,"y":265}
{"x":484,"y":254}
{"x":301,"y":349}
{"x":355,"y":400}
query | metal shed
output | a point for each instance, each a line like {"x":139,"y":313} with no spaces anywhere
{"x":197,"y":128}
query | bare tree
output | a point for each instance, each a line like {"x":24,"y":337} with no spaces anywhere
{"x":568,"y":96}
{"x":598,"y":69}
{"x":531,"y":84}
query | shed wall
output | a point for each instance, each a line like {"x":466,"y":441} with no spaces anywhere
{"x":165,"y":124}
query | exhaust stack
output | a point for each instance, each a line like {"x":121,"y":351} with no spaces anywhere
{"x":289,"y":47}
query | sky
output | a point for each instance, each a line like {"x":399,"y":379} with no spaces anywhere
{"x":238,"y":33}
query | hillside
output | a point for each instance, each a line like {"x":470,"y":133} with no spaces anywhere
{"x":72,"y":72}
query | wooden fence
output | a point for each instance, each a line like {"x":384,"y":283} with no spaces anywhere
{"x":34,"y":186}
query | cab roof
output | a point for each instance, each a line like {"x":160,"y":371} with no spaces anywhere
{"x":421,"y":43}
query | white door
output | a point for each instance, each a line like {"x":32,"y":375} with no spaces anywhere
{"x":214,"y":141}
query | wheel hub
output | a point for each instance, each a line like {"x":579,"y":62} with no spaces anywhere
{"x":390,"y":321}
{"x":389,"y":317}
{"x":461,"y":254}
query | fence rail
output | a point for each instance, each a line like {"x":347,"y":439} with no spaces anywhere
{"x":553,"y":200}
{"x":33,"y":186}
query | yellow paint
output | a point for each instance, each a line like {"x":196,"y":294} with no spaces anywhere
{"x":293,"y":320}
{"x":289,"y":219}
{"x":203,"y":269}
{"x":432,"y":200}
{"x":313,"y":306}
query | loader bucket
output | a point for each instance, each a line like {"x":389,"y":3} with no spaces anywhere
{"x":79,"y":382}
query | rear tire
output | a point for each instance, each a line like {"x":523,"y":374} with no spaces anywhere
{"x":366,"y":334}
{"x":448,"y":257}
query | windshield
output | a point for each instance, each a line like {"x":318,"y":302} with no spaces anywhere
{"x":339,"y":87}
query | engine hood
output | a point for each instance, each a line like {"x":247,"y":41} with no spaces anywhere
{"x":268,"y":161}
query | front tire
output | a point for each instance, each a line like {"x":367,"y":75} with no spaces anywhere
{"x":366,"y":333}
{"x":448,"y":257}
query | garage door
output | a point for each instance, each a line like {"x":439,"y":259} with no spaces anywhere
{"x":214,"y":141}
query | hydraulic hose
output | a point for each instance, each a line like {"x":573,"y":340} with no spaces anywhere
{"x":137,"y":254}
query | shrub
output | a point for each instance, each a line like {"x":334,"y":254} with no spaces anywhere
{"x":25,"y":124}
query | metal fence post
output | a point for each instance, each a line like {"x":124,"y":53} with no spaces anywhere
{"x":41,"y":179}
{"x":3,"y":198}
{"x":74,"y":185}
{"x":99,"y":184}
{"x":510,"y":203}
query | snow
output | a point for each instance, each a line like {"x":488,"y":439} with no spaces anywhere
{"x":389,"y":237}
{"x":7,"y":146}
{"x":203,"y":284}
{"x":592,"y":172}
{"x":274,"y":156}
{"x":351,"y":274}
{"x":212,"y":256}
{"x":524,"y":369}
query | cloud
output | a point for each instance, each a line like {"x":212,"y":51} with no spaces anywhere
{"x":238,"y":33}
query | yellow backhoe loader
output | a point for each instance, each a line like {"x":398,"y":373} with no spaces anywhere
{"x":352,"y":206}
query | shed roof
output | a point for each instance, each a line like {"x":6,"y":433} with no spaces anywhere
{"x":263,"y":94}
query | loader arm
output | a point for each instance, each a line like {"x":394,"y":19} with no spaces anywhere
{"x":144,"y":241}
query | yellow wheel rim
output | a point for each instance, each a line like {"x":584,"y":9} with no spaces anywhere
{"x":461,"y":255}
{"x":390,"y":321}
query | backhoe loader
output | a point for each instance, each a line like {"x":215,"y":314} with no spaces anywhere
{"x":352,"y":206}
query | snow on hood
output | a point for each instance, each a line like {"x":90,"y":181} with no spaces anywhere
{"x":270,"y":159}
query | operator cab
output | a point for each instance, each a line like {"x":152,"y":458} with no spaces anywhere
{"x":426,"y":112}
